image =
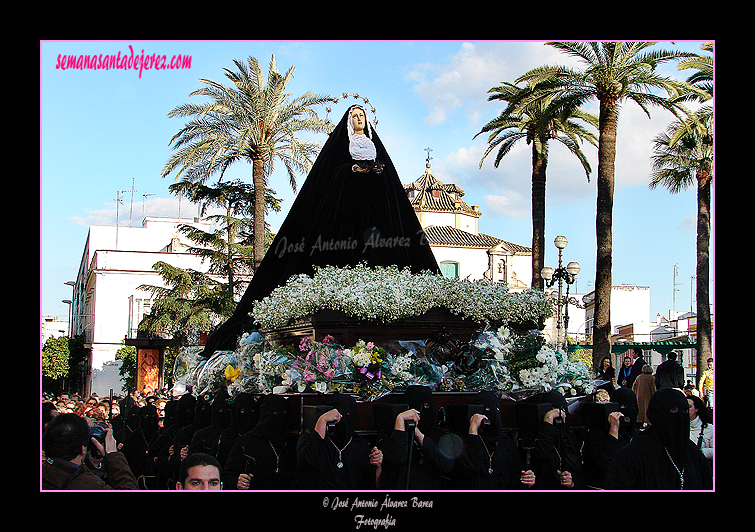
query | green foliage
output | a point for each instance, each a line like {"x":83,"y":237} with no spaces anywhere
{"x":191,"y":302}
{"x":190,"y":305}
{"x":64,"y":358}
{"x":583,"y":356}
{"x":252,"y":121}
{"x":128,"y":357}
{"x":525,"y":350}
{"x":613,"y":73}
{"x":536,"y":121}
{"x":55,"y":355}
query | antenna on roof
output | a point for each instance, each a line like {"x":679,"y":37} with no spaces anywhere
{"x":118,"y":202}
{"x":131,"y":207}
{"x":144,"y":196}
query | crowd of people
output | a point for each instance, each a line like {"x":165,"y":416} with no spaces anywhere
{"x":629,"y":435}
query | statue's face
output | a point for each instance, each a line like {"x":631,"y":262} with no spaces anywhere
{"x":358,"y":120}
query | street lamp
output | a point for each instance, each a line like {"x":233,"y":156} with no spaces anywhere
{"x":70,"y":307}
{"x":562,"y":275}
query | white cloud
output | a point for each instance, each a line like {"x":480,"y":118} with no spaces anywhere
{"x":503,"y":191}
{"x":513,"y":205}
{"x":688,"y":224}
{"x":133,"y":213}
{"x":458,"y":88}
{"x":462,"y":82}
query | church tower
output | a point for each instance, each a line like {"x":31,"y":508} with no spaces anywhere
{"x":452,"y":228}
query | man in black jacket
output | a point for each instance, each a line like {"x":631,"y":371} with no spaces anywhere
{"x":670,"y":374}
{"x":637,"y":363}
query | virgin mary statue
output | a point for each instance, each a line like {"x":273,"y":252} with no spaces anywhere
{"x":351,"y":209}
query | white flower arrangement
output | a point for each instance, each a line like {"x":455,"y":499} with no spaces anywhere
{"x":400,"y":367}
{"x":509,"y":361}
{"x":388,"y":293}
{"x":362,"y":354}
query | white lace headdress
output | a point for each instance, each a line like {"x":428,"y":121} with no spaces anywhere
{"x":361,"y":147}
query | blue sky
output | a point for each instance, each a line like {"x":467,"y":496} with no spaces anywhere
{"x":101,"y":130}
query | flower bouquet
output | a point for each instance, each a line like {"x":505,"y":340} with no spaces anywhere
{"x":319,"y":366}
{"x":215,"y":373}
{"x":186,"y":368}
{"x":416,"y":367}
{"x":371,"y":370}
{"x":574,"y":379}
{"x":272,"y":369}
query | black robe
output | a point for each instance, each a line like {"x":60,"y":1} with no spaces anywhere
{"x":597,"y":453}
{"x":136,"y":447}
{"x":644,"y":465}
{"x":339,"y":218}
{"x":661,"y":457}
{"x":218,"y":437}
{"x":429,"y":465}
{"x":557,"y":448}
{"x":490,"y":460}
{"x":160,"y":444}
{"x":267,"y":452}
{"x":184,"y":417}
{"x":318,"y":458}
{"x":201,"y":413}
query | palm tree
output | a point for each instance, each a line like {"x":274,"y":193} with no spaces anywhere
{"x":536,"y":126}
{"x":254,"y":121}
{"x":614,"y":72}
{"x":683,"y":156}
{"x":677,"y":166}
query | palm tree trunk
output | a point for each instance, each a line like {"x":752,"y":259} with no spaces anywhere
{"x":604,"y":230}
{"x":539,"y":164}
{"x":229,"y":254}
{"x":258,"y":181}
{"x":704,"y":326}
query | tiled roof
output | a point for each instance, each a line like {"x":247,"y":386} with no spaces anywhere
{"x":445,"y":235}
{"x":433,"y":195}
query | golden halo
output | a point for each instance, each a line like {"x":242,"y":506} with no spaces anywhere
{"x":356,"y":96}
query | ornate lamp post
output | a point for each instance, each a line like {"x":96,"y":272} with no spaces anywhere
{"x":562,"y":275}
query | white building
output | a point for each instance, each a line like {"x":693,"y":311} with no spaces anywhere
{"x":52,"y":326}
{"x":629,"y":305}
{"x":631,"y":325}
{"x":451,"y":226}
{"x":460,"y":249}
{"x":107,"y":304}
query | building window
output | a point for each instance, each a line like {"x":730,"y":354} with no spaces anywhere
{"x":138,"y":308}
{"x":450,"y":269}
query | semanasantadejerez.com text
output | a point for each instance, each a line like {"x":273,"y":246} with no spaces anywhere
{"x":123,"y":61}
